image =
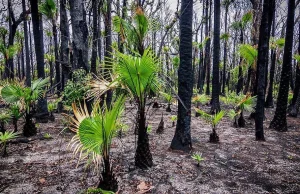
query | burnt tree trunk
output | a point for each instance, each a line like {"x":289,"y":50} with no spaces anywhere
{"x":263,"y":55}
{"x":279,"y":121}
{"x":182,"y":137}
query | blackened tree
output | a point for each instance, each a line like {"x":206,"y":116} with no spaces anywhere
{"x":279,"y":121}
{"x":182,"y":137}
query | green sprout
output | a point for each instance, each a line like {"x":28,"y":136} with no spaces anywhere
{"x":149,"y":128}
{"x":173,"y":119}
{"x":198,"y":158}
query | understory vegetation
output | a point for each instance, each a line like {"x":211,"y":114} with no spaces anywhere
{"x":117,"y":90}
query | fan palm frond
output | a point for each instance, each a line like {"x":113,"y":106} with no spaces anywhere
{"x":94,"y":132}
{"x":248,"y":53}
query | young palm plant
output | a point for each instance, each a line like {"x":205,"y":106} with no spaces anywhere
{"x":4,"y":118}
{"x":16,"y":114}
{"x":4,"y":138}
{"x":243,"y":103}
{"x":213,"y":120}
{"x":51,"y":107}
{"x":94,"y":134}
{"x":13,"y":93}
{"x":168,"y":98}
{"x":200,"y":99}
{"x":137,"y":75}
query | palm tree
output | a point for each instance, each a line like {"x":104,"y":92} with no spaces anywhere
{"x":94,"y":134}
{"x":48,"y":8}
{"x":14,"y":93}
{"x":263,"y":56}
{"x":4,"y":138}
{"x":8,"y":53}
{"x":182,"y":137}
{"x":279,"y":121}
{"x":215,"y":103}
{"x":213,"y":120}
{"x":241,"y":103}
{"x":4,"y":118}
{"x":138,"y":76}
{"x":241,"y":26}
{"x":16,"y":114}
{"x":248,"y":55}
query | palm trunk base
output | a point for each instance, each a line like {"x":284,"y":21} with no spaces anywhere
{"x":155,"y":105}
{"x":168,"y":108}
{"x":213,"y":137}
{"x":4,"y":151}
{"x":51,"y":117}
{"x":108,"y":181}
{"x":15,"y":123}
{"x":241,"y":122}
{"x":2,"y":129}
{"x":143,"y":156}
{"x":29,"y":127}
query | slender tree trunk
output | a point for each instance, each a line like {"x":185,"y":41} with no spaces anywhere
{"x":293,"y":109}
{"x":207,"y":47}
{"x":279,"y":121}
{"x":108,"y":46}
{"x":22,"y":62}
{"x":207,"y":53}
{"x":263,"y":55}
{"x":215,"y":104}
{"x":225,"y":52}
{"x":64,"y":48}
{"x":80,"y":35}
{"x":95,"y":36}
{"x":240,"y":75}
{"x":39,"y":52}
{"x":31,"y":53}
{"x":57,"y":63}
{"x":269,"y":101}
{"x":182,"y":137}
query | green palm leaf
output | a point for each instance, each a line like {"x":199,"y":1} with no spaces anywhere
{"x":248,"y":53}
{"x":12,"y":93}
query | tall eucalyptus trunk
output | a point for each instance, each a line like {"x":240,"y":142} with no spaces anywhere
{"x":207,"y":52}
{"x":182,"y":137}
{"x":293,"y":108}
{"x":39,"y":52}
{"x":279,"y":121}
{"x":215,"y":103}
{"x":95,"y":36}
{"x":225,"y":51}
{"x":108,"y":46}
{"x":269,"y":100}
{"x":80,"y":34}
{"x":64,"y":47}
{"x":57,"y":63}
{"x":263,"y":55}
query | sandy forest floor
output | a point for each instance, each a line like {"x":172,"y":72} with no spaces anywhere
{"x":238,"y":164}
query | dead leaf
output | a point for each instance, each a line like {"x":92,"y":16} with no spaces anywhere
{"x":142,"y":186}
{"x":42,"y":180}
